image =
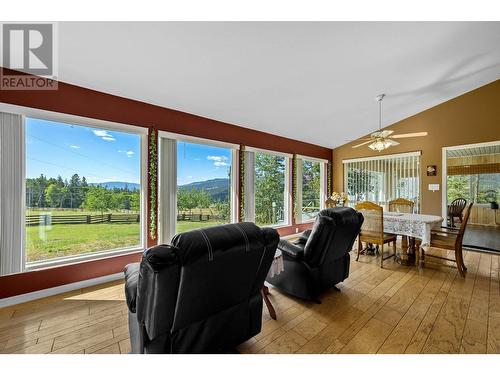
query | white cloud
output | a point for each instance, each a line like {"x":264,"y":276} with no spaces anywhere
{"x":217,"y":158}
{"x":74,"y":146}
{"x":104,"y":135}
{"x":128,"y":153}
{"x":219,"y":161}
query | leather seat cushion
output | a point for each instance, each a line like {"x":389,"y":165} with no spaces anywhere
{"x":131,"y":279}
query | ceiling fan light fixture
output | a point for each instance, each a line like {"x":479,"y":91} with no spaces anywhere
{"x":380,"y":145}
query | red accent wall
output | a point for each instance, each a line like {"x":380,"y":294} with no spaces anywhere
{"x":80,"y":101}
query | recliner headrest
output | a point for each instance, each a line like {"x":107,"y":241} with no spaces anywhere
{"x":207,"y":242}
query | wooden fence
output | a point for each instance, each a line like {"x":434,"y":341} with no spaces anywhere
{"x":48,"y":219}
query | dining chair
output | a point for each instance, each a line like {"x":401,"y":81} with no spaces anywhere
{"x":447,"y":238}
{"x":456,"y":209}
{"x":401,"y":205}
{"x":372,"y":230}
{"x":406,"y":206}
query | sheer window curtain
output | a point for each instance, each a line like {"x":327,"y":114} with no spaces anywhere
{"x":384,"y":178}
{"x":11,"y":193}
{"x":167,"y":197}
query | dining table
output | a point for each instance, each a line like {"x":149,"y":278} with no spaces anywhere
{"x":411,"y":227}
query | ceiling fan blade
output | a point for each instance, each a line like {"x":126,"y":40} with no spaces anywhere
{"x":381,"y":133}
{"x":392,"y":142}
{"x":359,"y":139}
{"x":409,"y":135}
{"x":362,"y":144}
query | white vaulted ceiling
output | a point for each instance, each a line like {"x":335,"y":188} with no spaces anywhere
{"x":311,"y":81}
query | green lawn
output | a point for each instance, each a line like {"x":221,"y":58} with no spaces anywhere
{"x":66,"y":212}
{"x":43,"y":242}
{"x":47,"y":242}
{"x":184,"y":226}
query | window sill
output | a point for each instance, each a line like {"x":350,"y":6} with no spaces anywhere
{"x":43,"y":264}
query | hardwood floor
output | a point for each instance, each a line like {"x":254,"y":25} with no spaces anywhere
{"x":397,"y":309}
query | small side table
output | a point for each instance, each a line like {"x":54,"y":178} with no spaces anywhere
{"x":276,"y":268}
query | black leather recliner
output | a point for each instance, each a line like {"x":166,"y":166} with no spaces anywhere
{"x":201,"y":294}
{"x":320,"y":258}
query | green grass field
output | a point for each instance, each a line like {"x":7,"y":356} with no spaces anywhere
{"x":44,"y":242}
{"x":48,"y":242}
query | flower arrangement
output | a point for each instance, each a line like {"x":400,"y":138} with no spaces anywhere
{"x":338,"y":199}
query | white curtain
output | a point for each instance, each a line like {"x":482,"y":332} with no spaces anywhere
{"x":11,"y":193}
{"x":167,"y":198}
{"x":381,"y":179}
{"x":249,"y":186}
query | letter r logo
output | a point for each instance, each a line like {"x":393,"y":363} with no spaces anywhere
{"x":28,"y":48}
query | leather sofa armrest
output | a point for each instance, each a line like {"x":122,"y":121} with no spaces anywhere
{"x":303,"y":237}
{"x":131,"y":279}
{"x":290,"y":249}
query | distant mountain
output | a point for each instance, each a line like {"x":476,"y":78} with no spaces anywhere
{"x":218,"y":188}
{"x":117,"y":185}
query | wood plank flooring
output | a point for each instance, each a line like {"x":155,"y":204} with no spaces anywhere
{"x":397,"y":309}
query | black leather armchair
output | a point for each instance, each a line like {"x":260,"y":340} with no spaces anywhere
{"x":201,"y":294}
{"x":319,"y":259}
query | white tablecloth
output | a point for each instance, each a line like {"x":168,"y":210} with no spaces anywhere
{"x":277,"y":266}
{"x":412,"y":225}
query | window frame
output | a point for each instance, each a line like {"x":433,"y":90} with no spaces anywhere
{"x":250,"y":186}
{"x":322,"y":185}
{"x":166,"y":230}
{"x":68,"y":119}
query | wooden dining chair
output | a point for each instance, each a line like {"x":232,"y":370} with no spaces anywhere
{"x":372,"y":230}
{"x":456,"y":209}
{"x":401,"y":205}
{"x":406,"y":206}
{"x":447,"y":238}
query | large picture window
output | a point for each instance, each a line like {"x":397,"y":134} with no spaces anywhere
{"x":267,"y":188}
{"x":203,"y":185}
{"x":83,"y":190}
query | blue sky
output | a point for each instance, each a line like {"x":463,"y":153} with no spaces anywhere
{"x":200,"y":163}
{"x":55,"y":149}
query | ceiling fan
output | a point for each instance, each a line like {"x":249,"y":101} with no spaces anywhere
{"x":383,"y":139}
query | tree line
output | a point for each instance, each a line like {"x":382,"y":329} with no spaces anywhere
{"x":43,"y":192}
{"x":190,"y":199}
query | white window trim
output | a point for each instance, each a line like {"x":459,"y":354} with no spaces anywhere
{"x":93,"y":123}
{"x":271,"y":152}
{"x":310,"y":158}
{"x":322,"y":186}
{"x":198,"y":140}
{"x":382,"y":157}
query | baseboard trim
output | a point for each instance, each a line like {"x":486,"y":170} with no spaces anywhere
{"x":15,"y":300}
